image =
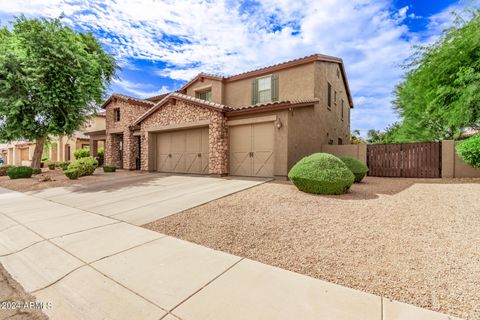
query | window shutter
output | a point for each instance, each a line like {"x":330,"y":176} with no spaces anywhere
{"x":254,"y":91}
{"x":274,"y":87}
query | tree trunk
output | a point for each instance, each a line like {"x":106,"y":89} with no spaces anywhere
{"x":37,"y":153}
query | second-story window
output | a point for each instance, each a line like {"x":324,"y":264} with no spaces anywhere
{"x":265,"y":89}
{"x":329,"y":96}
{"x":205,"y":95}
{"x":116,"y":114}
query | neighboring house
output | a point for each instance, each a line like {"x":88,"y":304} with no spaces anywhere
{"x":257,"y":123}
{"x":58,"y":149}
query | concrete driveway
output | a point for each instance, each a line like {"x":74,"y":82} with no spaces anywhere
{"x":83,"y":265}
{"x":142,"y":198}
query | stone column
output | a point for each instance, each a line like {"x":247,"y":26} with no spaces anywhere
{"x":128,"y":150}
{"x":93,"y":147}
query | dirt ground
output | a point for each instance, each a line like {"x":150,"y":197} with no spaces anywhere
{"x":12,"y":294}
{"x":37,"y":182}
{"x":412,"y":240}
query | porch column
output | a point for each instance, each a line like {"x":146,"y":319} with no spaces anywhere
{"x":129,"y":141}
{"x":93,"y":147}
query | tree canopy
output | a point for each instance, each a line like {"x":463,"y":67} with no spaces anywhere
{"x":51,"y":79}
{"x":440,"y":95}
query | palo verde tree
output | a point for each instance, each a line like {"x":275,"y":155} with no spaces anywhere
{"x":440,"y":95}
{"x":51,"y":80}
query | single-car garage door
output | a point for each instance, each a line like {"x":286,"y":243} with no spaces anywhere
{"x":251,"y":149}
{"x":184,"y":151}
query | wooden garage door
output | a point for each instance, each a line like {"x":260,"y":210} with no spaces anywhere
{"x":251,"y":150}
{"x":184,"y":151}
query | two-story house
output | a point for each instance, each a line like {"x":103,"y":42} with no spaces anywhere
{"x":257,"y":123}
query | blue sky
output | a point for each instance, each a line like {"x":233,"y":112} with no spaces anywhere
{"x":162,"y":44}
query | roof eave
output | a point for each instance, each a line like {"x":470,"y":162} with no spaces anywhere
{"x":269,"y":108}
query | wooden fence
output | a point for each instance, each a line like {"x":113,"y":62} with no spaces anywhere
{"x":412,"y":160}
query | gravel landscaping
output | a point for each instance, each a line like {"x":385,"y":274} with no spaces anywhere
{"x":11,"y":291}
{"x":56,"y":178}
{"x":413,"y":240}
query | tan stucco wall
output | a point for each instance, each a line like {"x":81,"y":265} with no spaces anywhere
{"x":96,"y":123}
{"x":215,"y":85}
{"x":295,"y":82}
{"x":280,"y":167}
{"x":356,"y":151}
{"x":453,"y":166}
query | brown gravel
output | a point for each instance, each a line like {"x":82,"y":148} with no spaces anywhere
{"x":413,"y":240}
{"x":59,"y":180}
{"x":11,"y":291}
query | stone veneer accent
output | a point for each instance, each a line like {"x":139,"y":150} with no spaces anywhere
{"x":182,"y":112}
{"x":128,"y":114}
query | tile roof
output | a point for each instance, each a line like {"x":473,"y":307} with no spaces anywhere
{"x":273,"y":103}
{"x":158,"y":97}
{"x":127,"y":99}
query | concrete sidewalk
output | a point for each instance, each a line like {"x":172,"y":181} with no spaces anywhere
{"x":94,"y":267}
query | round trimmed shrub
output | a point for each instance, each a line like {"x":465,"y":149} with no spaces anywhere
{"x":85,"y":166}
{"x":4,"y":168}
{"x":72,"y":174}
{"x":36,"y":170}
{"x":51,"y":166}
{"x":81,"y":153}
{"x":321,"y":173}
{"x":62,"y":164}
{"x":21,"y":172}
{"x":358,"y":168}
{"x":469,"y":150}
{"x":109,"y":168}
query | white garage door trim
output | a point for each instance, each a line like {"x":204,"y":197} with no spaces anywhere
{"x":179,"y":126}
{"x":240,"y":122}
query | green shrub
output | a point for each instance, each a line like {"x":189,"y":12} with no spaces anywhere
{"x":100,"y":156}
{"x":36,"y":170}
{"x":81,"y":153}
{"x":358,"y":168}
{"x":62,"y":165}
{"x":44,"y":158}
{"x":20,"y":172}
{"x":85,"y":166}
{"x":72,"y":174}
{"x":321,"y":173}
{"x":469,"y":150}
{"x":109,"y":168}
{"x":4,"y":168}
{"x":51,"y":166}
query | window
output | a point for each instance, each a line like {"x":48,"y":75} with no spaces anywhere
{"x":329,"y":96}
{"x":343,"y":112}
{"x":265,"y":89}
{"x":116,"y":114}
{"x":340,"y":141}
{"x":335,"y":97}
{"x":205,"y":95}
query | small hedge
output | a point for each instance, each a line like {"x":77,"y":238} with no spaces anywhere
{"x":85,"y":166}
{"x":21,"y":172}
{"x":62,"y":165}
{"x":109,"y":168}
{"x":358,"y":168}
{"x":4,"y":168}
{"x":469,"y":151}
{"x":72,"y":174}
{"x":81,"y":153}
{"x":36,"y":170}
{"x":321,"y":173}
{"x":51,"y":166}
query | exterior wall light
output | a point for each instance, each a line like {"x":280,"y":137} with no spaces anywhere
{"x":278,"y":123}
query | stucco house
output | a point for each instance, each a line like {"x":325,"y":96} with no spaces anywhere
{"x":257,"y":123}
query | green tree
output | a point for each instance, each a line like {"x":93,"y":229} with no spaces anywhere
{"x":51,"y":80}
{"x":355,"y":137}
{"x":440,"y":95}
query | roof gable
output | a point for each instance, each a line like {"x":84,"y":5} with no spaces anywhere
{"x":131,"y":100}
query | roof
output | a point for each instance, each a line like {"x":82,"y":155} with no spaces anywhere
{"x":272,"y":106}
{"x":101,"y":114}
{"x":181,"y":97}
{"x":158,"y":97}
{"x":276,"y":67}
{"x":129,"y":99}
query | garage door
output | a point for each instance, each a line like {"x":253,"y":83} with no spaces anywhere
{"x":251,"y":150}
{"x":184,"y":151}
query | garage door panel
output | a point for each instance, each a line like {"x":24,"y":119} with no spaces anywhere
{"x":163,"y":152}
{"x":240,"y":150}
{"x":263,"y":140}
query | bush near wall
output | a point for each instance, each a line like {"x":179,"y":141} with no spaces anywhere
{"x":4,"y":168}
{"x":72,"y":174}
{"x":85,"y":166}
{"x":36,"y":170}
{"x":62,"y":165}
{"x":321,"y":173}
{"x":358,"y":168}
{"x":109,"y":168}
{"x":469,"y":151}
{"x":81,"y":153}
{"x":21,"y":172}
{"x":51,"y":166}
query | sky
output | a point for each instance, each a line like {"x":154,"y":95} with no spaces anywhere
{"x":160,"y":45}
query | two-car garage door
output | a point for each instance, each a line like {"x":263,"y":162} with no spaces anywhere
{"x":251,"y":149}
{"x":184,"y":151}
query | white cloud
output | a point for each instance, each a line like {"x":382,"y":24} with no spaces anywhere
{"x":224,"y":37}
{"x":140,"y":90}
